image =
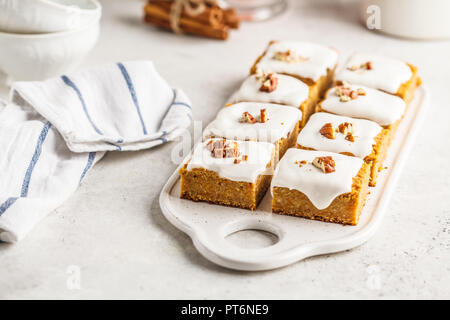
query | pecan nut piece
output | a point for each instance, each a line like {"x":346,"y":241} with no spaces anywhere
{"x":327,"y":131}
{"x":326,"y":164}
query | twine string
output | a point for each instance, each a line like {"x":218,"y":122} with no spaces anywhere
{"x":192,"y":7}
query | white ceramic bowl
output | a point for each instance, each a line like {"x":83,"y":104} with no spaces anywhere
{"x":44,"y":16}
{"x":40,"y":56}
{"x":416,"y":19}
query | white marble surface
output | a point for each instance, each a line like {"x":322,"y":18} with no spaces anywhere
{"x":112,"y":229}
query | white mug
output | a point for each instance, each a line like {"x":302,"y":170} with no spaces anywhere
{"x":416,"y":19}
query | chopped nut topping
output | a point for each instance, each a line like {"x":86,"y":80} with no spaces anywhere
{"x":210,"y":145}
{"x":326,"y":164}
{"x":263,"y":116}
{"x":327,"y":131}
{"x":345,"y":128}
{"x":345,"y":98}
{"x":289,"y":56}
{"x":350,"y":137}
{"x":365,"y":66}
{"x":232,"y":150}
{"x":223,"y":149}
{"x":345,"y":93}
{"x":269,"y":82}
{"x":247,"y":118}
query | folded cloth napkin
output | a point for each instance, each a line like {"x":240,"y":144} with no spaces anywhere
{"x":37,"y":170}
{"x":124,"y":106}
{"x":53,"y":132}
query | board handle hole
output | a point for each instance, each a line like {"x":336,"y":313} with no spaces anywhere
{"x":251,"y":234}
{"x":252,"y":239}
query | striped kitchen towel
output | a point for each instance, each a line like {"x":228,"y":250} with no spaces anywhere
{"x":53,"y":132}
{"x":37,"y":170}
{"x":123,"y":106}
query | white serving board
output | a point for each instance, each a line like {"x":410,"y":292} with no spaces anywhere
{"x":208,"y":225}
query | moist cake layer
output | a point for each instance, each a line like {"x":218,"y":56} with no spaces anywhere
{"x":320,"y":188}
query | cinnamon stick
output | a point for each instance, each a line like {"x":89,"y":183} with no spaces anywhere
{"x":159,"y":17}
{"x":212,"y":15}
{"x":231,"y":18}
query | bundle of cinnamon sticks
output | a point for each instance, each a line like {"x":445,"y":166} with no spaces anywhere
{"x":210,"y":20}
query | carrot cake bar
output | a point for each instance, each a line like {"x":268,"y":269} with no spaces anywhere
{"x":354,"y":137}
{"x":227,"y":172}
{"x":275,"y":88}
{"x":383,"y":73}
{"x":312,"y":63}
{"x":264,"y":122}
{"x":320,"y":185}
{"x":357,"y":101}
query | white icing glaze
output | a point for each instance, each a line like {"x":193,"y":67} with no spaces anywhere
{"x":320,"y":58}
{"x":259,"y":155}
{"x":388,"y":74}
{"x":320,"y":188}
{"x":376,"y":105}
{"x":364,"y":131}
{"x":290,"y":91}
{"x":281,"y":121}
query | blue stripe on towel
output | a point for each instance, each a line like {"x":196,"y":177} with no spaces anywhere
{"x":26,"y":180}
{"x":70,"y":83}
{"x":127,"y":78}
{"x":34,"y":159}
{"x":89,"y":163}
{"x":118,"y":148}
{"x":174,"y":102}
{"x":5,"y":205}
{"x":182,"y":104}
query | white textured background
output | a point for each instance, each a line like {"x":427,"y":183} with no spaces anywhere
{"x":113,"y":229}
